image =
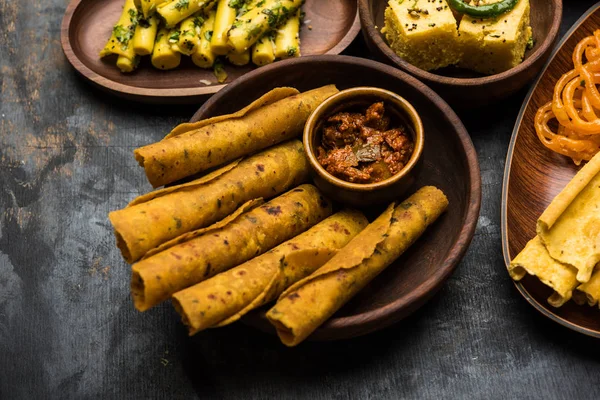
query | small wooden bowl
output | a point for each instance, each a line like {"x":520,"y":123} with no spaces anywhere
{"x":534,"y":175}
{"x":330,"y":26}
{"x":460,"y":87}
{"x":356,"y":194}
{"x":416,"y":276}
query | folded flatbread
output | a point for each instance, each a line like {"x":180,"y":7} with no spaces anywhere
{"x":162,"y":215}
{"x":227,"y":297}
{"x":308,"y":303}
{"x":589,"y":292}
{"x":570,"y":226}
{"x":191,"y":148}
{"x":535,"y":260}
{"x":199,"y":255}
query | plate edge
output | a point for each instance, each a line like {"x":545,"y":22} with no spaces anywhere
{"x":506,"y":181}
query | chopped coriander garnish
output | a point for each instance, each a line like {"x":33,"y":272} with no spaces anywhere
{"x":219,"y":71}
{"x":182,"y":4}
{"x":198,"y":21}
{"x":123,"y":35}
{"x":291,"y":51}
{"x":208,"y":35}
{"x":174,"y":37}
{"x":530,"y":43}
{"x":237,"y":4}
{"x":254,"y":31}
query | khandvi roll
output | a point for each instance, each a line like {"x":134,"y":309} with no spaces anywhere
{"x":192,"y":148}
{"x":121,"y":37}
{"x":126,"y":64}
{"x":287,"y":39}
{"x":241,"y":31}
{"x":308,"y":303}
{"x":224,"y":18}
{"x":228,"y":296}
{"x":267,"y":15}
{"x":203,"y":56}
{"x":189,"y":38}
{"x":178,"y":10}
{"x":199,"y":255}
{"x":263,"y":51}
{"x":239,"y":58}
{"x":149,"y":7}
{"x":145,"y":36}
{"x":163,"y":55}
{"x":162,"y":215}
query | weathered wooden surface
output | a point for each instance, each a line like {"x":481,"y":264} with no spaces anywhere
{"x":67,"y":326}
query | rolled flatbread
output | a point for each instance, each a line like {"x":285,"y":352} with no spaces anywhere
{"x":197,"y":256}
{"x":304,"y":306}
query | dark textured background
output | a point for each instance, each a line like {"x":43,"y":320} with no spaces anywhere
{"x":67,"y":326}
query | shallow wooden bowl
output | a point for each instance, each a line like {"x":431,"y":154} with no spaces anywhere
{"x":420,"y":272}
{"x":460,"y":87}
{"x":87,"y":25}
{"x":534,"y":175}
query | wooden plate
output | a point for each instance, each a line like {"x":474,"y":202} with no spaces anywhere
{"x":419,"y":273}
{"x":463,"y":88}
{"x":534,"y":175}
{"x":87,"y":25}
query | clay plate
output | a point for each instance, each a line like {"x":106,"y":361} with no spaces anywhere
{"x":460,"y":87}
{"x":87,"y":25}
{"x":534,"y":175}
{"x":420,"y":272}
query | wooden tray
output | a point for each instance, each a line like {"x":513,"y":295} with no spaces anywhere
{"x":87,"y":25}
{"x":420,"y":272}
{"x":534,"y":175}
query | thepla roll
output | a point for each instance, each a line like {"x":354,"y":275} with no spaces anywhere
{"x":191,"y":148}
{"x":198,"y":255}
{"x":227,"y":297}
{"x":162,"y":215}
{"x":305,"y":305}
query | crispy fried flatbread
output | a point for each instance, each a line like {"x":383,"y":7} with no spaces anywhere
{"x":570,"y":226}
{"x":535,"y":260}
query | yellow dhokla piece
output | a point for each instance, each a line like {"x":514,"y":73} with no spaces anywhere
{"x":422,"y":32}
{"x":494,"y":45}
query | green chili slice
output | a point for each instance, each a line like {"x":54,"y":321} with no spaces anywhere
{"x":488,"y":10}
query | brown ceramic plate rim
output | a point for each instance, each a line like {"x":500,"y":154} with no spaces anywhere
{"x":390,"y":313}
{"x":172,"y":93}
{"x":504,"y":223}
{"x":366,"y":20}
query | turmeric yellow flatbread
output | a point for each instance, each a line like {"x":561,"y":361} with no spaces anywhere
{"x":570,"y":226}
{"x":162,"y":215}
{"x":304,"y":306}
{"x":208,"y":252}
{"x":535,"y":260}
{"x":197,"y":147}
{"x":589,"y":292}
{"x":226,"y":297}
{"x":264,"y":100}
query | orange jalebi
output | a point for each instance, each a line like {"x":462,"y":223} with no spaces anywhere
{"x":575,"y":105}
